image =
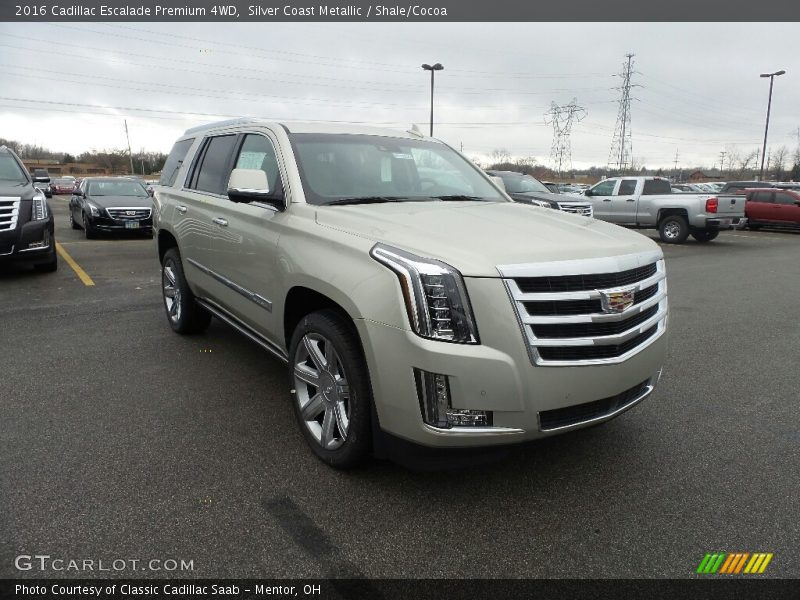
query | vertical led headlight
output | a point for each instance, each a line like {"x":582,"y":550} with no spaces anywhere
{"x":434,"y":293}
{"x":39,"y":208}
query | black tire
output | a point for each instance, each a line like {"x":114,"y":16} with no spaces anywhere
{"x":72,"y":222}
{"x":51,"y":266}
{"x":329,"y":326}
{"x":705,"y":235}
{"x":754,"y":227}
{"x":673,"y":229}
{"x":187,"y":316}
{"x":88,"y":230}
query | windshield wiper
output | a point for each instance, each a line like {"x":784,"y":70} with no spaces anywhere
{"x":366,"y":200}
{"x":459,"y":197}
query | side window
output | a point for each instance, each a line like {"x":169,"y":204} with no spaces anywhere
{"x":627,"y":187}
{"x":654,"y":187}
{"x":762,"y":197}
{"x":211,"y":173}
{"x":174,"y":161}
{"x":784,"y":198}
{"x":257,"y":152}
{"x":604,"y":188}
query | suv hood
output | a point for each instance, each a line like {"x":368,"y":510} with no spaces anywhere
{"x":9,"y":189}
{"x":475,"y":237}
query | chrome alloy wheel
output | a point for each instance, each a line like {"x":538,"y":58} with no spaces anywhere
{"x":322,"y":391}
{"x":672,"y":230}
{"x":172,"y":293}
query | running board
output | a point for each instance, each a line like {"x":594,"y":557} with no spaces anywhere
{"x":222,"y":315}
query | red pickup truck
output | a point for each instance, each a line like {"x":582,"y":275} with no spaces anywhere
{"x":772,"y":207}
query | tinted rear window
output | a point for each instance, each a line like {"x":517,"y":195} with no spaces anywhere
{"x":656,"y":186}
{"x":174,"y":161}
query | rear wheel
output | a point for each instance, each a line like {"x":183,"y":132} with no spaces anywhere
{"x":331,"y":389}
{"x":673,"y":229}
{"x":184,"y":314}
{"x":705,"y":235}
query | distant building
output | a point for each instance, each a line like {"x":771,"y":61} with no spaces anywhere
{"x":55,"y":168}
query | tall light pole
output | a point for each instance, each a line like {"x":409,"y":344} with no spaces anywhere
{"x":432,"y":69}
{"x":766,"y":128}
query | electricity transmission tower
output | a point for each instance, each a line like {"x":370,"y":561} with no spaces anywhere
{"x":562,"y":118}
{"x":620,"y":157}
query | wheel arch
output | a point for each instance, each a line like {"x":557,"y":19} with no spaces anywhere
{"x":165,"y":241}
{"x":667,"y":212}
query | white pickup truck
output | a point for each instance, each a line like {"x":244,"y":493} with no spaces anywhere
{"x":648,"y":202}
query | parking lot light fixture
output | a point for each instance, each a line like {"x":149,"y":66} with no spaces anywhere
{"x":432,"y":69}
{"x":772,"y":77}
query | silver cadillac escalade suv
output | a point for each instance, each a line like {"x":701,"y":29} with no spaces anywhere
{"x":416,"y":305}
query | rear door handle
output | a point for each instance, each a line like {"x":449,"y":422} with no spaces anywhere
{"x":220,"y":221}
{"x":181,"y":209}
{"x":606,"y":199}
{"x":631,"y":200}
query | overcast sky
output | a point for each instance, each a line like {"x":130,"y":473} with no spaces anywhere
{"x":69,"y":86}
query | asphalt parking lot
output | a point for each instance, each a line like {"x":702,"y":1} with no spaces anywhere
{"x":123,"y":440}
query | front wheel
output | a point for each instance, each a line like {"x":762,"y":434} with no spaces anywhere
{"x":331,"y":393}
{"x":88,"y":230}
{"x":705,"y":235}
{"x":72,"y":222}
{"x":184,"y":314}
{"x":673,"y":229}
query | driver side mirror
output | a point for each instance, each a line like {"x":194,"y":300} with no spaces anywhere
{"x":587,"y":192}
{"x":248,"y":185}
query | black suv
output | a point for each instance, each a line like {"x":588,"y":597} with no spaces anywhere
{"x":26,"y":221}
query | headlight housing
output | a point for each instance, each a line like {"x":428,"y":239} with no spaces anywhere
{"x":96,"y":211}
{"x":544,"y":203}
{"x":39,"y":208}
{"x":435,"y":296}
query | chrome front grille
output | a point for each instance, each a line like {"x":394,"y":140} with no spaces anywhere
{"x":594,"y":311}
{"x":129,"y":214}
{"x":9,"y":213}
{"x":584,"y":210}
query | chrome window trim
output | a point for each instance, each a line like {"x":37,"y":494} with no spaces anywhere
{"x":249,"y":294}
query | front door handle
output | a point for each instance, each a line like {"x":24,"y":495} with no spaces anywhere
{"x":606,"y":199}
{"x":220,"y":221}
{"x":180,"y":209}
{"x":631,"y":200}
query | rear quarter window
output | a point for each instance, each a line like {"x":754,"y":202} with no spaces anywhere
{"x":174,"y":161}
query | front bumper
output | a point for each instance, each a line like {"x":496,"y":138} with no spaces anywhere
{"x":527,"y":401}
{"x":105,"y":223}
{"x":32,"y":242}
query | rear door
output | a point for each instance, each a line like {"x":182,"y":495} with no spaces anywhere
{"x":788,"y":209}
{"x":601,"y":196}
{"x":759,"y":206}
{"x":197,"y":207}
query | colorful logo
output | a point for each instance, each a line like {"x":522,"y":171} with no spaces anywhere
{"x":734,"y":563}
{"x":616,"y":302}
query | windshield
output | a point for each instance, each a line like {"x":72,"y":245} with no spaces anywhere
{"x":116,"y":188}
{"x":10,"y":169}
{"x":521,"y":184}
{"x":338,"y":168}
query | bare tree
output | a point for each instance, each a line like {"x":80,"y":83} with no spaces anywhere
{"x":500,"y":155}
{"x":778,"y":160}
